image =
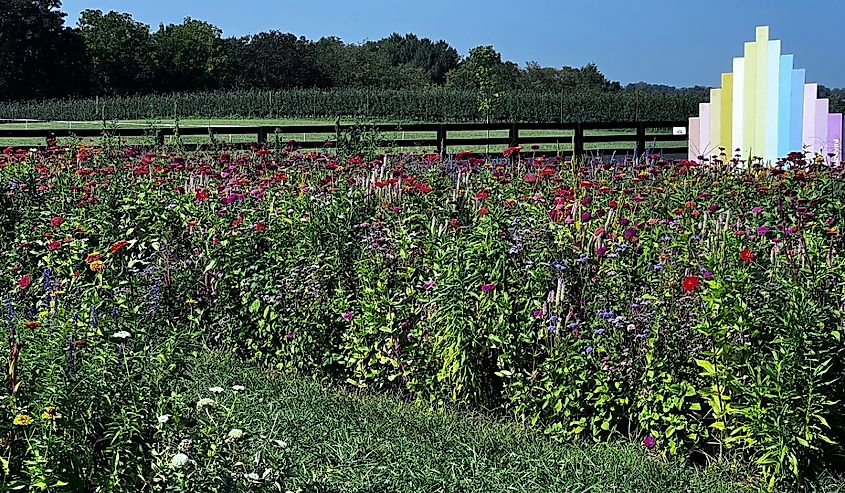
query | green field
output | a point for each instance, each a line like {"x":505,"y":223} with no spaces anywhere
{"x":565,"y":144}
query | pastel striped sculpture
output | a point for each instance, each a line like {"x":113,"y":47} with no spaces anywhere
{"x":765,"y":108}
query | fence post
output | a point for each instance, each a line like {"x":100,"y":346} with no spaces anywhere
{"x":441,"y":139}
{"x":640,"y":138}
{"x":262,"y":135}
{"x":159,"y":137}
{"x":513,"y":135}
{"x":578,"y":142}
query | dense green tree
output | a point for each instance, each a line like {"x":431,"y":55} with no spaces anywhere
{"x":120,"y":50}
{"x":39,"y":55}
{"x":189,"y":56}
{"x":484,"y":69}
{"x":434,"y":59}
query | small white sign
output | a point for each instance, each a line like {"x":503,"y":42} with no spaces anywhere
{"x":679,"y":130}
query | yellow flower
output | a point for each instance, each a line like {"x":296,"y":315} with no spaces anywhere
{"x":191,"y":301}
{"x":97,"y":265}
{"x":23,"y":420}
{"x":50,"y":413}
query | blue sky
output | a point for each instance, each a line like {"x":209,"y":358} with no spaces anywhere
{"x":678,"y":42}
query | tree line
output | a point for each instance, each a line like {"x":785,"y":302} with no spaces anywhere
{"x":112,"y":54}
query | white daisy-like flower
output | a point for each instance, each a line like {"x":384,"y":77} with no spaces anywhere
{"x":179,"y":460}
{"x":235,"y":433}
{"x":238,"y":388}
{"x":216,"y":390}
{"x":122,"y":334}
{"x":164,"y":418}
{"x":205,"y":402}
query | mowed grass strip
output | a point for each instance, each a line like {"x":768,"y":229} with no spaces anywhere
{"x":345,"y":442}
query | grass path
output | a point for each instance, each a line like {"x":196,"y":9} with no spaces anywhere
{"x":340,"y":442}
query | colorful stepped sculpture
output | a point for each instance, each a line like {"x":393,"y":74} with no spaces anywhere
{"x":765,"y":108}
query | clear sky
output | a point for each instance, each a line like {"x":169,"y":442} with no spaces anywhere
{"x":677,"y":42}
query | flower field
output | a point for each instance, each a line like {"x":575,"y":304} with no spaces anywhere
{"x":694,"y":308}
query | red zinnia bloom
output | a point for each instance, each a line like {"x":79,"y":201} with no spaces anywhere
{"x":118,"y":245}
{"x":54,"y":245}
{"x":201,"y":195}
{"x":483,"y":194}
{"x":57,"y":221}
{"x":690,"y":283}
{"x":260,"y":226}
{"x":25,"y":281}
{"x":483,"y":211}
{"x":746,"y":256}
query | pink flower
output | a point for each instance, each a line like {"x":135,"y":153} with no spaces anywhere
{"x":486,"y":288}
{"x":348,"y":316}
{"x":649,"y":442}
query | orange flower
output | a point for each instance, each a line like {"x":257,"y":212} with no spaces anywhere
{"x":118,"y":245}
{"x":32,"y":324}
{"x":746,"y":256}
{"x":97,"y":265}
{"x":93,"y":257}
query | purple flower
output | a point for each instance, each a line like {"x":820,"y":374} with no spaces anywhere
{"x":649,"y":442}
{"x":598,"y":332}
{"x":601,"y":252}
{"x":290,"y":335}
{"x":486,"y":288}
{"x":589,"y":350}
{"x":762,"y":230}
{"x":553,"y":318}
{"x":586,"y":200}
{"x":713,"y":207}
{"x":706,"y":273}
{"x":791,"y":230}
{"x":347,"y":316}
{"x":585,"y":217}
{"x":538,"y":313}
{"x":428,"y":284}
{"x":756,"y":210}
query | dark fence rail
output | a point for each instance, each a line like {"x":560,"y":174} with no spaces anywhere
{"x":641,"y":134}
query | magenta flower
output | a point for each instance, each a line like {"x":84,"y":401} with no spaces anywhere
{"x":791,"y":230}
{"x":756,"y":210}
{"x":601,"y":251}
{"x":486,"y":288}
{"x":649,"y":442}
{"x":762,"y":230}
{"x":428,"y":284}
{"x":538,"y":313}
{"x":348,"y":316}
{"x":290,"y":335}
{"x":585,"y":217}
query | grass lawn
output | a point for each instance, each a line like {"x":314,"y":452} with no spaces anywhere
{"x":342,"y":442}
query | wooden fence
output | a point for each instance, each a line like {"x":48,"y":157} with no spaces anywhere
{"x":657,"y":136}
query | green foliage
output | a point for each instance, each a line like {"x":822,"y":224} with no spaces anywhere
{"x":692,"y":309}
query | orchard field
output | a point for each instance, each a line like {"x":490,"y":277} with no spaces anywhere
{"x":693,"y":311}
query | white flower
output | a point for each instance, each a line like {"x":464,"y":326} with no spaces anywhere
{"x":179,"y":460}
{"x":164,"y":418}
{"x":121,"y":335}
{"x":281,"y":443}
{"x":235,"y":433}
{"x":205,"y":402}
{"x":216,"y":390}
{"x":253,"y":476}
{"x":238,"y":388}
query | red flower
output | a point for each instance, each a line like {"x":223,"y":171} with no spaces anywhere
{"x":483,"y":211}
{"x":529,"y":178}
{"x":57,"y":221}
{"x":25,"y":281}
{"x":746,"y":256}
{"x":483,"y":194}
{"x":54,"y":245}
{"x":118,"y":245}
{"x":201,"y":195}
{"x":260,"y":226}
{"x":690,"y":283}
{"x":455,"y":223}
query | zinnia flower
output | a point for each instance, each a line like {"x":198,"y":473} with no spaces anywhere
{"x":97,"y":265}
{"x":25,"y":281}
{"x":22,"y":420}
{"x":118,"y":245}
{"x":649,"y":442}
{"x":57,"y":221}
{"x":179,"y":460}
{"x":50,"y":414}
{"x":690,"y":283}
{"x":746,"y":256}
